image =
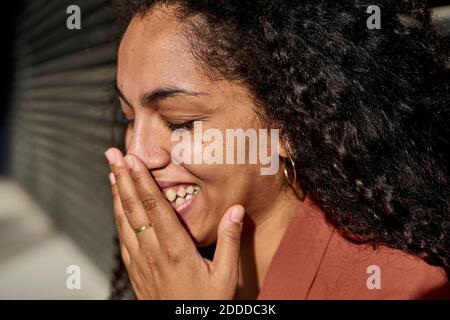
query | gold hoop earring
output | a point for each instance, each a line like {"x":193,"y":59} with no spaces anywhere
{"x":291,"y":177}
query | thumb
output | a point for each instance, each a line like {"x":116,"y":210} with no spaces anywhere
{"x":226,"y":256}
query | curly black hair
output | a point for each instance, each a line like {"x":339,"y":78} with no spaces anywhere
{"x":366,"y":111}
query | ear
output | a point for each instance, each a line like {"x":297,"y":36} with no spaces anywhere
{"x":283,"y":148}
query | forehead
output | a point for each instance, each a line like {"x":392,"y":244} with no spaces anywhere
{"x":153,"y":53}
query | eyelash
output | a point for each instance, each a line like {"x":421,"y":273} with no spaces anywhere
{"x":187,"y":125}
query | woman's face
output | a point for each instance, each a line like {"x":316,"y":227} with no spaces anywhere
{"x":162,"y":87}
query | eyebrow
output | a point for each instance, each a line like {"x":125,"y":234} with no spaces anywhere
{"x":159,"y":94}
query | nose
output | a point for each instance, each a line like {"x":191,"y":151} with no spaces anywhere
{"x":147,"y":140}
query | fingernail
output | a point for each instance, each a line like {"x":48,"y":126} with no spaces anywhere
{"x":110,"y":156}
{"x":129,"y":162}
{"x":237,"y":214}
{"x":112,"y":178}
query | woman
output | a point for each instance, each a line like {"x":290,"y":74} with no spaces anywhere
{"x":359,"y":207}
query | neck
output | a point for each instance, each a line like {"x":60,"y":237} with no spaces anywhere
{"x":261,"y":237}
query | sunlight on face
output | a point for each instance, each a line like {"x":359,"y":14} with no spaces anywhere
{"x":161,"y":89}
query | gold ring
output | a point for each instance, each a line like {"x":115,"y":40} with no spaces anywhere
{"x":138,"y":230}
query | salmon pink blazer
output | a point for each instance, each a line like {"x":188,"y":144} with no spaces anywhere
{"x":313,"y":261}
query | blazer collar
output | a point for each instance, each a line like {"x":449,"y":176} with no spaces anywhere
{"x":298,"y":257}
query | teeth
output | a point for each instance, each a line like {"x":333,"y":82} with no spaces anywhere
{"x":190,"y":190}
{"x":171,"y":195}
{"x":181,"y":192}
{"x":179,"y":201}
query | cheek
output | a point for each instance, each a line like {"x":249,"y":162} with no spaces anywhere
{"x":207,"y":174}
{"x":225,"y":185}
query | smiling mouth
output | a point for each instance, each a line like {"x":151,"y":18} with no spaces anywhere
{"x":180,"y":196}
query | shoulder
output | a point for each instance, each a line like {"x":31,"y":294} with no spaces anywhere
{"x":314,"y":261}
{"x":355,"y":271}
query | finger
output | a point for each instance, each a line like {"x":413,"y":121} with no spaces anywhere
{"x":127,"y":193}
{"x":226,"y":257}
{"x":126,"y":234}
{"x":129,"y":200}
{"x":166,"y":224}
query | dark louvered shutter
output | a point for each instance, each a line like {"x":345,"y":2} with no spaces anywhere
{"x":62,"y":117}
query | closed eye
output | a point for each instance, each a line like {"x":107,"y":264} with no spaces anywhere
{"x":126,"y":120}
{"x":187,"y":125}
